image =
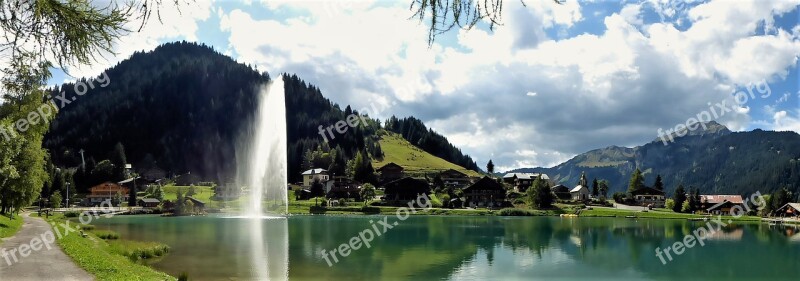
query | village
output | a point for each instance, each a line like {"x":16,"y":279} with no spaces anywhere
{"x":449,"y":189}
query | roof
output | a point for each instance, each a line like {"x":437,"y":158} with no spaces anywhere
{"x":647,"y":191}
{"x":128,"y":180}
{"x":578,"y":189}
{"x":195,"y":201}
{"x":149,"y":200}
{"x":453,"y":172}
{"x":527,"y":176}
{"x":486,"y":183}
{"x":795,"y":206}
{"x":390,"y":165}
{"x":560,"y":188}
{"x":716,"y":199}
{"x":315,"y":171}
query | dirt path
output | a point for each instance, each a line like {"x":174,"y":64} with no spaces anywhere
{"x":44,"y":264}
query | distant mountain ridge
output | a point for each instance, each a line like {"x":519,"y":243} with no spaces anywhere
{"x":715,"y":161}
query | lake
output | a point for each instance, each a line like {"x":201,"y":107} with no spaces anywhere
{"x":461,"y":248}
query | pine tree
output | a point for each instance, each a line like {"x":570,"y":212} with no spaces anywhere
{"x":679,"y":197}
{"x":119,"y":161}
{"x":539,"y":195}
{"x":595,"y":188}
{"x":636,"y":182}
{"x":490,"y":168}
{"x":658,"y":184}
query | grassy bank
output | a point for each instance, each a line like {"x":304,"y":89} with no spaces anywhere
{"x":9,"y":226}
{"x":105,"y":261}
{"x":608,"y":212}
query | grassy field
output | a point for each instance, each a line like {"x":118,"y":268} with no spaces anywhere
{"x":203,"y":193}
{"x":415,"y":161}
{"x":8,"y":227}
{"x":102,"y":260}
{"x":608,"y":212}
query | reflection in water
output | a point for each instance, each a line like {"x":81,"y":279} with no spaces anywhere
{"x":462,"y":248}
{"x":269,"y":253}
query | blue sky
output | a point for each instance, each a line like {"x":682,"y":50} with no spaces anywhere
{"x":551,"y":82}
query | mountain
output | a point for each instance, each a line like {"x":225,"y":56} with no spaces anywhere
{"x":714,"y":160}
{"x":183,"y":107}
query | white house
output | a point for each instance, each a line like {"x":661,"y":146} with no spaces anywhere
{"x":579,"y":193}
{"x":314,"y":174}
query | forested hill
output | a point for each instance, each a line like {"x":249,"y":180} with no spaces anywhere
{"x":720,"y":162}
{"x":415,"y":132}
{"x":182,"y":107}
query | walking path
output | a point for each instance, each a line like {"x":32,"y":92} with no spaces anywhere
{"x":44,"y":264}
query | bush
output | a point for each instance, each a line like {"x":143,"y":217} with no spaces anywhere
{"x":670,"y":204}
{"x":519,"y":201}
{"x":317,"y":209}
{"x":370,"y":210}
{"x":87,"y":227}
{"x":72,"y":214}
{"x":516,"y":212}
{"x":106,"y":235}
{"x":435,"y":202}
{"x":619,"y":197}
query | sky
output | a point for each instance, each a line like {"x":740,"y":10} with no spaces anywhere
{"x":552,"y":82}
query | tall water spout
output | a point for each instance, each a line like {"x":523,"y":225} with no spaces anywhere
{"x":265,"y":171}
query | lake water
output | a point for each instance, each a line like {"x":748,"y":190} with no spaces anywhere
{"x":461,"y":248}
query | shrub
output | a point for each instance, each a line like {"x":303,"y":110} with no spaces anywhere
{"x":435,"y":203}
{"x":619,"y":197}
{"x":519,"y":201}
{"x":106,"y":235}
{"x":370,"y":210}
{"x":670,"y":204}
{"x":87,"y":227}
{"x":516,"y":212}
{"x":72,"y":214}
{"x":317,"y":209}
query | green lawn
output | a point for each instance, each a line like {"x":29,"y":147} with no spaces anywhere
{"x":655,"y":214}
{"x":96,"y":256}
{"x":8,"y":227}
{"x":414,"y":160}
{"x":203,"y":193}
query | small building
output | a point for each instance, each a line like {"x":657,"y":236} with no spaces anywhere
{"x":309,"y":176}
{"x":227,"y":192}
{"x":390,"y":172}
{"x":198,"y":206}
{"x":153,"y":174}
{"x":302,"y":194}
{"x":720,"y":204}
{"x":453,"y":178}
{"x":579,"y":193}
{"x":148,"y":202}
{"x":562,"y":192}
{"x":106,"y":191}
{"x":486,"y":192}
{"x":647,"y":196}
{"x":187,"y":179}
{"x":342,"y":188}
{"x":522,"y":181}
{"x":788,"y":210}
{"x":405,"y":189}
{"x":130,"y":184}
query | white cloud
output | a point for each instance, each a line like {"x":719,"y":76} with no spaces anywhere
{"x":176,"y":23}
{"x":618,"y":87}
